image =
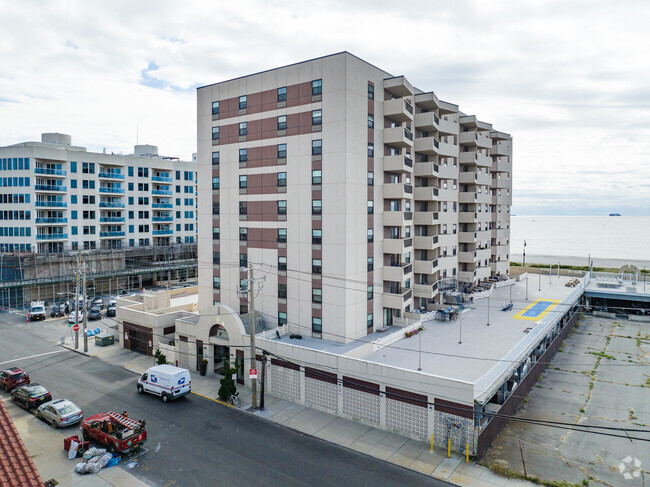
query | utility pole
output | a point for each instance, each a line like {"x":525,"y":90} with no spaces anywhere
{"x":83,"y":269}
{"x":76,"y":298}
{"x":488,"y":306}
{"x":251,"y":297}
{"x":524,"y":262}
{"x":460,"y":330}
{"x":419,"y":350}
{"x":264,"y":354}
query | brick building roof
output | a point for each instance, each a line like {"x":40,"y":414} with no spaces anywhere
{"x":16,"y":466}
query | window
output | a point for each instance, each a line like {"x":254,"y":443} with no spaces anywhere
{"x":317,"y":295}
{"x":178,"y":188}
{"x":282,"y":207}
{"x":216,"y":282}
{"x":316,"y":176}
{"x":243,"y":102}
{"x":243,"y":182}
{"x":371,"y":207}
{"x":282,"y":179}
{"x":370,"y":321}
{"x":243,"y":260}
{"x":316,"y":117}
{"x":371,"y":91}
{"x":216,"y":233}
{"x":371,"y":235}
{"x":243,"y":155}
{"x":282,"y":151}
{"x":316,"y":236}
{"x":130,"y":186}
{"x":282,"y":234}
{"x":243,"y":128}
{"x":371,"y":149}
{"x":216,"y":257}
{"x":317,"y":325}
{"x":73,"y":199}
{"x":215,"y":133}
{"x":370,"y":293}
{"x":371,"y":263}
{"x":371,"y":178}
{"x":282,"y":291}
{"x":316,"y":266}
{"x":243,"y":284}
{"x":282,"y":93}
{"x":317,"y":87}
{"x":316,"y":207}
{"x":316,"y":147}
{"x":282,"y":318}
{"x":282,"y":122}
{"x":215,"y":108}
{"x":243,"y":234}
{"x":88,"y":167}
{"x":243,"y":207}
{"x":371,"y":121}
{"x":282,"y":263}
{"x":215,"y":158}
{"x":143,"y":186}
{"x":131,"y":228}
{"x":143,"y":172}
{"x":74,"y":230}
{"x":130,"y":171}
{"x":73,"y":167}
{"x":215,"y":208}
{"x":73,"y":183}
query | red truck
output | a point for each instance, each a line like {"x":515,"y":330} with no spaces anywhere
{"x":117,"y":432}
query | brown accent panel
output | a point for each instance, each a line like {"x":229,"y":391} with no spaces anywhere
{"x":317,"y":224}
{"x":267,"y":128}
{"x":286,"y":365}
{"x":169,"y":329}
{"x":317,"y":194}
{"x":317,"y":164}
{"x":262,"y":211}
{"x":317,"y":254}
{"x":282,"y":307}
{"x":369,"y":307}
{"x":315,"y":312}
{"x":262,"y":184}
{"x":371,"y":250}
{"x":263,"y":238}
{"x":371,"y":192}
{"x":407,"y":397}
{"x":262,"y":156}
{"x":449,"y":407}
{"x":371,"y":105}
{"x":361,"y":385}
{"x":321,"y":375}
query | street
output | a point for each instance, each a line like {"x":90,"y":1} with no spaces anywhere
{"x":193,"y":441}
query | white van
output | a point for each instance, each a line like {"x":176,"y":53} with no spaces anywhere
{"x":166,"y":381}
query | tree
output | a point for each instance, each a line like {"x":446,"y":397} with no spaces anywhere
{"x":228,"y":386}
{"x":160,"y":357}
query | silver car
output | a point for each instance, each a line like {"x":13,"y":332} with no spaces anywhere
{"x":60,"y":413}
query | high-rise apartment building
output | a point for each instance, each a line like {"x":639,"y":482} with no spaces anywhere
{"x":57,"y":197}
{"x":358,"y":196}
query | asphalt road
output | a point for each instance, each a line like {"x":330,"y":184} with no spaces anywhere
{"x":193,"y":441}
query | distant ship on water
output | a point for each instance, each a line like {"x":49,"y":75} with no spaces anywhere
{"x":614,"y":214}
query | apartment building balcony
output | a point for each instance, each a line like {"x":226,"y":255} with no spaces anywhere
{"x":467,"y":257}
{"x":112,"y":234}
{"x":447,"y":149}
{"x":397,"y":218}
{"x":50,"y":188}
{"x":425,"y":193}
{"x":426,"y":242}
{"x":51,"y":204}
{"x":502,"y":234}
{"x":111,"y":204}
{"x":427,"y":145}
{"x":159,"y":219}
{"x":502,"y":199}
{"x":427,"y":169}
{"x":163,"y":232}
{"x":111,"y":219}
{"x":468,"y":138}
{"x":57,"y":173}
{"x":467,"y":177}
{"x":396,"y":191}
{"x":426,"y":218}
{"x":427,"y":121}
{"x":447,"y":127}
{"x":448,"y":194}
{"x":398,"y":164}
{"x":467,"y":237}
{"x":448,"y":171}
{"x":397,"y":245}
{"x":162,"y":192}
{"x":469,"y":157}
{"x":501,"y":165}
{"x":397,"y":298}
{"x":161,"y":205}
{"x":499,"y":148}
{"x":51,"y":236}
{"x":500,"y":182}
{"x":397,"y":273}
{"x":467,"y":197}
{"x":398,"y":109}
{"x":500,"y":267}
{"x":467,"y":276}
{"x":425,"y":266}
{"x":398,"y":86}
{"x":51,"y":220}
{"x":483,"y":254}
{"x":110,"y":190}
{"x":483,"y":140}
{"x":117,"y":176}
{"x":484,"y":235}
{"x":483,"y":160}
{"x":162,"y":179}
{"x":467,"y":217}
{"x":483,"y":198}
{"x":427,"y":291}
{"x":398,"y":136}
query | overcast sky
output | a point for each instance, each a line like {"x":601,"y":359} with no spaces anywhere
{"x":570,"y":80}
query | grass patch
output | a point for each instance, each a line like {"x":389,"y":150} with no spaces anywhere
{"x":602,"y":355}
{"x":512,"y":474}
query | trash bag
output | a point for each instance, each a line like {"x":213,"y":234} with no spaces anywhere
{"x":72,"y":452}
{"x":80,"y":468}
{"x":113,"y":461}
{"x":103,"y":460}
{"x":87,"y":455}
{"x":93,"y":467}
{"x":97,"y":452}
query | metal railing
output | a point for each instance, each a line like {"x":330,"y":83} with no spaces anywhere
{"x":51,"y":204}
{"x":51,"y":220}
{"x":50,"y":172}
{"x":50,"y":187}
{"x":111,"y":175}
{"x":51,"y":236}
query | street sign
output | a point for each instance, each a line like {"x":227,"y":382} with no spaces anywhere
{"x":75,"y":327}
{"x":253,"y":373}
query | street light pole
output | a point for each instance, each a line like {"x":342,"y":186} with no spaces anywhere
{"x":83,"y":269}
{"x":460,"y":330}
{"x":76,"y":303}
{"x":420,"y":351}
{"x":488,"y":307}
{"x":251,"y":298}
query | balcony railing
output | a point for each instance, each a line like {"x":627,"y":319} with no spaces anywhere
{"x":161,"y":192}
{"x":51,"y":204}
{"x":163,"y":232}
{"x":111,"y":219}
{"x":408,"y":106}
{"x":162,"y":205}
{"x":161,"y":179}
{"x":111,"y":175}
{"x":51,"y":220}
{"x":51,"y":236}
{"x":108,"y":189}
{"x":49,"y":172}
{"x":111,"y":234}
{"x":408,"y":134}
{"x":104,"y":204}
{"x":50,"y":187}
{"x":408,"y":162}
{"x":163,"y":219}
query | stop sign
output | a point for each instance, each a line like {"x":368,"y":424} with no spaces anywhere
{"x":75,"y":327}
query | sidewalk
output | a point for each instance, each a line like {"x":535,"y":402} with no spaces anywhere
{"x":408,"y":453}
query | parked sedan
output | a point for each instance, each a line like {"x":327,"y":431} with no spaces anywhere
{"x":30,"y":396}
{"x":94,"y":314}
{"x":110,"y":311}
{"x":60,"y":413}
{"x":58,"y":310}
{"x":73,"y":317}
{"x":12,"y":378}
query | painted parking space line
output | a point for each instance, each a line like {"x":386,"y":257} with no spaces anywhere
{"x":32,"y":356}
{"x":536,"y":310}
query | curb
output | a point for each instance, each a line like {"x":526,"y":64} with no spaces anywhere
{"x":219,"y":401}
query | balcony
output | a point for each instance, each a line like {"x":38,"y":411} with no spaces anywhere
{"x":398,"y":109}
{"x":484,"y":141}
{"x":397,"y":273}
{"x":447,"y":127}
{"x":447,"y":194}
{"x":427,"y":169}
{"x":469,"y":157}
{"x":426,"y":243}
{"x":425,"y":193}
{"x":51,"y":204}
{"x":467,"y":276}
{"x":51,"y":236}
{"x":161,"y":205}
{"x":398,"y":164}
{"x":468,"y":138}
{"x":467,"y":217}
{"x":466,"y":257}
{"x":448,"y":171}
{"x":162,"y":179}
{"x":483,"y":160}
{"x":50,"y":188}
{"x":111,"y":175}
{"x":428,"y":291}
{"x":396,"y":191}
{"x":397,"y":245}
{"x":110,"y":190}
{"x":427,"y":121}
{"x":398,"y":136}
{"x":467,"y":197}
{"x":397,"y":218}
{"x":500,"y":183}
{"x":163,"y":232}
{"x":397,"y":300}
{"x":161,"y":192}
{"x":49,"y":172}
{"x":111,"y":219}
{"x":501,"y":165}
{"x":159,"y":219}
{"x":425,"y":266}
{"x":51,"y":220}
{"x":484,"y":197}
{"x":426,"y":218}
{"x":448,"y":150}
{"x":467,"y":237}
{"x":427,"y":145}
{"x":111,"y":234}
{"x":112,"y":204}
{"x":398,"y":86}
{"x":500,"y":148}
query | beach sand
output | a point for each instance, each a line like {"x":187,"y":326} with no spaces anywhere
{"x":578,"y":261}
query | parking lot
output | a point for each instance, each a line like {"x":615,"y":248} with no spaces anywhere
{"x":600,"y":376}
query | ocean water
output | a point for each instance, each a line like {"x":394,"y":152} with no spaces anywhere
{"x":607,"y":239}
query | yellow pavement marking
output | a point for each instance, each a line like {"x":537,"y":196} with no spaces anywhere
{"x":211,"y":399}
{"x":552,"y":303}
